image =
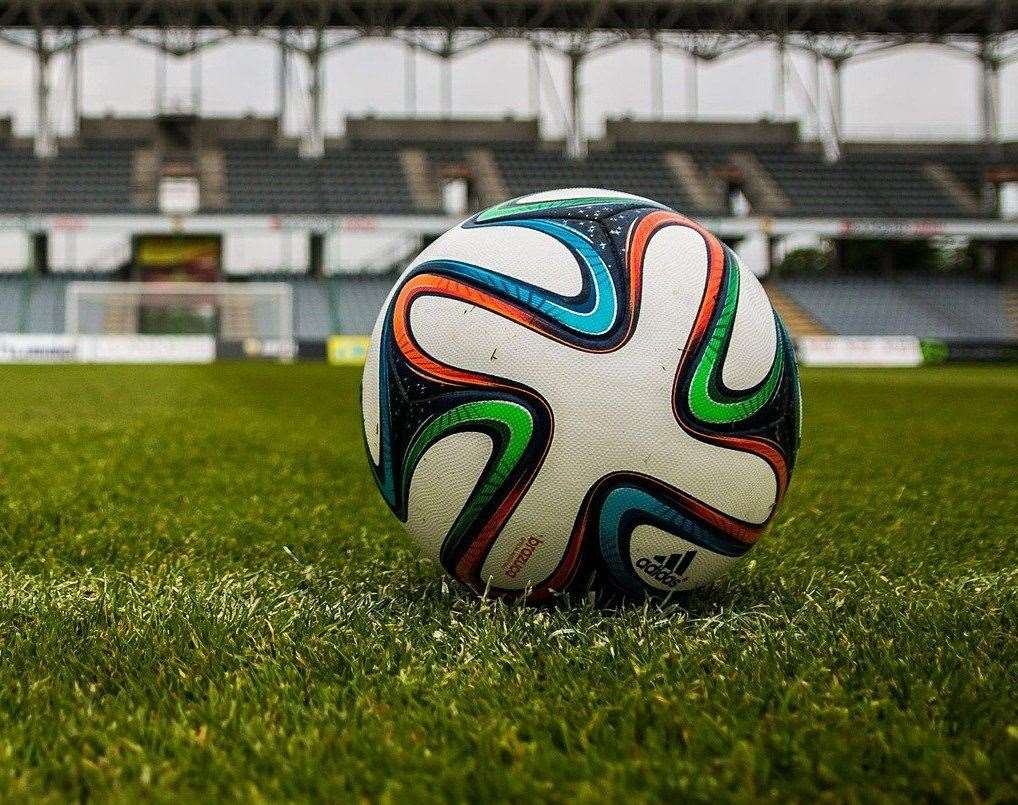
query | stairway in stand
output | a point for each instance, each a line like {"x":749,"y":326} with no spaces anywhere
{"x":799,"y":321}
{"x":1011,"y":306}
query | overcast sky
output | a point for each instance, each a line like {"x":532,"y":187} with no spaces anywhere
{"x":919,"y":91}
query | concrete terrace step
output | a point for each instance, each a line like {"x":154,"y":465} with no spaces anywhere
{"x":1011,"y":307}
{"x":797,"y":319}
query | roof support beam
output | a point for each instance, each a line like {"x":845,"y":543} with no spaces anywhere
{"x":535,"y":79}
{"x":576,"y":142}
{"x":410,"y":80}
{"x":837,"y":101}
{"x":45,"y":141}
{"x":445,"y":84}
{"x":74,"y":58}
{"x":196,"y":77}
{"x":283,"y":80}
{"x":990,"y":92}
{"x":313,"y":142}
{"x":780,"y":80}
{"x":657,"y":92}
{"x":693,"y":87}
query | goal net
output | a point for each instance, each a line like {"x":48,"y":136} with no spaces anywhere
{"x":246,"y":319}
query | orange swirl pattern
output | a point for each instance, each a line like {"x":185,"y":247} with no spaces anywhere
{"x":468,"y":567}
{"x":766,"y":449}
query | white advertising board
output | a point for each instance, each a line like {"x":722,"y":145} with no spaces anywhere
{"x":146,"y":349}
{"x":859,"y":351}
{"x":22,"y":348}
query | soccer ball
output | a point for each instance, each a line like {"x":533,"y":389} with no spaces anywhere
{"x":581,"y":389}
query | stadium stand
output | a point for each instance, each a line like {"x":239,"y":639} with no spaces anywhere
{"x":396,"y":168}
{"x":799,"y":320}
{"x":92,"y":177}
{"x":340,"y":304}
{"x":947,"y":308}
{"x":634,"y":169}
{"x":322,"y":307}
{"x":866,"y":186}
{"x":400,"y":167}
{"x":357,"y":178}
{"x":312,"y":318}
{"x":30,"y":304}
{"x":358,"y":300}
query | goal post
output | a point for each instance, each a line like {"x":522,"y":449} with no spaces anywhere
{"x":250,"y":319}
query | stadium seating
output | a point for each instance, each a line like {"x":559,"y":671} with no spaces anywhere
{"x":633,"y":169}
{"x":361,"y":175}
{"x":359,"y":179}
{"x":368,"y":177}
{"x":863,"y":185}
{"x":359,"y":298}
{"x":32,"y":304}
{"x":937,"y":307}
{"x":399,"y":167}
{"x":341,"y":304}
{"x":949,"y":308}
{"x":92,"y":178}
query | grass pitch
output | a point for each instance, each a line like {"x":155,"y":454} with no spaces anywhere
{"x":202,"y":596}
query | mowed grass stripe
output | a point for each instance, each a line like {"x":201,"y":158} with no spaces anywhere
{"x":201,"y":595}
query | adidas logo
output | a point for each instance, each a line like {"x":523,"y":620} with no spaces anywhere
{"x":666,"y":568}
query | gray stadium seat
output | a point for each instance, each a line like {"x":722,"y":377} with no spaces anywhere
{"x":933,"y":307}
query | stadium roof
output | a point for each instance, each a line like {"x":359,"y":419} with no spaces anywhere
{"x":919,"y":18}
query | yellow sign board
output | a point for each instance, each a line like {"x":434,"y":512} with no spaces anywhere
{"x":348,"y":350}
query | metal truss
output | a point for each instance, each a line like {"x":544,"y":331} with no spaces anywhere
{"x":513,"y":17}
{"x":834,"y":32}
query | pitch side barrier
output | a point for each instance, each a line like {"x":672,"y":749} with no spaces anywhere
{"x":878,"y":351}
{"x":351,"y":350}
{"x":54,"y":348}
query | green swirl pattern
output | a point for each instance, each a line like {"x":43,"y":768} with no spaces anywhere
{"x":514,"y":426}
{"x":704,"y":401}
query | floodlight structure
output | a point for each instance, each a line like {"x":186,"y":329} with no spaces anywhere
{"x":835,"y":32}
